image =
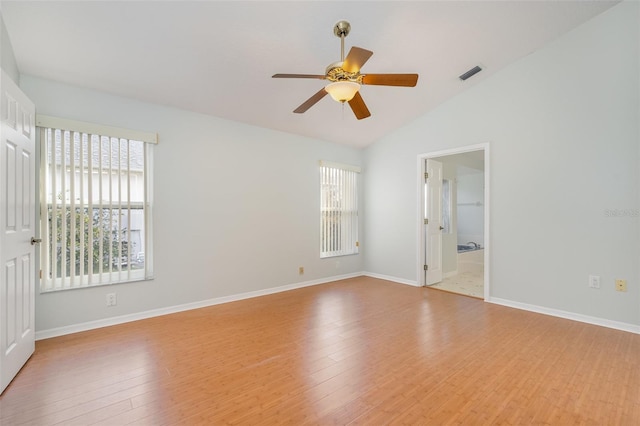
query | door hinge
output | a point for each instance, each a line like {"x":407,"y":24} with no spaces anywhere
{"x":426,"y":221}
{"x":426,"y":175}
{"x":426,"y":267}
{"x":40,"y":273}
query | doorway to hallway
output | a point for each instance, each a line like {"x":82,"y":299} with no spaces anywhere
{"x":454,"y":220}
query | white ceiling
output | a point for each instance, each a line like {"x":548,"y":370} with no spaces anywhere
{"x":217,"y":57}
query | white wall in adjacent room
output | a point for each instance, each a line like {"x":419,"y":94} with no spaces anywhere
{"x":470,"y":208}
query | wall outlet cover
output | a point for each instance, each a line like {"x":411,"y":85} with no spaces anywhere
{"x":112,"y":299}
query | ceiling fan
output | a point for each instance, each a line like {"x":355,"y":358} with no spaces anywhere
{"x":345,"y":77}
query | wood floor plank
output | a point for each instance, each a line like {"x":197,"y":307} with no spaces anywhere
{"x":359,"y":351}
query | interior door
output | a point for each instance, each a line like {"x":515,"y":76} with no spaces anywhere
{"x":17,"y":227}
{"x":433,"y":222}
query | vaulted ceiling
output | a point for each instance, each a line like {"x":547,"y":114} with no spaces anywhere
{"x":217,"y":57}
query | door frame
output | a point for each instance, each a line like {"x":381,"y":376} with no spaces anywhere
{"x":433,"y":228}
{"x":421,"y":241}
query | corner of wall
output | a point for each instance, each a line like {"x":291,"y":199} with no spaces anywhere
{"x":7,"y":57}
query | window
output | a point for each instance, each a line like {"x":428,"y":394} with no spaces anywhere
{"x":339,"y":209}
{"x":95,"y":204}
{"x":446,"y":206}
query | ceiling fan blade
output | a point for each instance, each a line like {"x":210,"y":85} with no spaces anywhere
{"x":321,"y":77}
{"x":406,"y":80}
{"x":356,"y":58}
{"x":311,"y":101}
{"x":358,"y":107}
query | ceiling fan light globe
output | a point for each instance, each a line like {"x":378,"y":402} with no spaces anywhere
{"x":342,"y":91}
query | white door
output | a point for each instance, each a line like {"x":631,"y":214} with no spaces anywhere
{"x":433,"y":222}
{"x":17,"y":227}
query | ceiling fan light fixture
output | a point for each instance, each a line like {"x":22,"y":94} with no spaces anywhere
{"x":342,"y":91}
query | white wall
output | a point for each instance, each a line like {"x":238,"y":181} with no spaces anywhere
{"x":236,"y":207}
{"x":7,"y":57}
{"x":470,"y":208}
{"x":562,"y":124}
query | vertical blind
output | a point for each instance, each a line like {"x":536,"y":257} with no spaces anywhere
{"x":95,"y":206}
{"x":339,"y":209}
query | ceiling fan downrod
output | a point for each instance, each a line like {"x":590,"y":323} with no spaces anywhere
{"x":341,"y":29}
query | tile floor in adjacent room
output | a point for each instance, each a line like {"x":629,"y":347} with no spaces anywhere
{"x":466,"y":283}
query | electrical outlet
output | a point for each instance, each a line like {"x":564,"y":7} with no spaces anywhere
{"x":112,"y":299}
{"x":301,"y":270}
{"x":594,"y":281}
{"x":621,"y":285}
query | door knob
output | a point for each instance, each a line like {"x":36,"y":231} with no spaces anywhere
{"x":35,"y":241}
{"x":441,"y":228}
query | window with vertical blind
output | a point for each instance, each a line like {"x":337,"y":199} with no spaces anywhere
{"x":446,"y":206}
{"x":338,"y":209}
{"x":95,"y":204}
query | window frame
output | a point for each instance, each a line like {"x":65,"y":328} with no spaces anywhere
{"x":105,"y":276}
{"x":339,"y":214}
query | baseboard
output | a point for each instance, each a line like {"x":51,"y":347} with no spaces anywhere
{"x":91,"y":325}
{"x":450,"y":274}
{"x":390,"y":278}
{"x":623,"y":326}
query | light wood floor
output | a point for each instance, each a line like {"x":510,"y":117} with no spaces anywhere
{"x":359,"y":351}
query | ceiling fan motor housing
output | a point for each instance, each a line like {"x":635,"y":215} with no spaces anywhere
{"x":335,"y":72}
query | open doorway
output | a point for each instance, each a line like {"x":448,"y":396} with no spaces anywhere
{"x":454,"y":220}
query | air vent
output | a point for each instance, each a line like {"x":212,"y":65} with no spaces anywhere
{"x":473,"y":71}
